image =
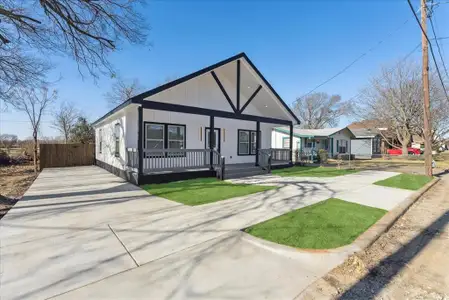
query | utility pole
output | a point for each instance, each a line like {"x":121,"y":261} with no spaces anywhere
{"x":425,"y":79}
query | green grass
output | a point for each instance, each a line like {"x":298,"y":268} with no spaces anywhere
{"x":405,"y":181}
{"x":202,"y":190}
{"x":312,"y":172}
{"x":325,"y":225}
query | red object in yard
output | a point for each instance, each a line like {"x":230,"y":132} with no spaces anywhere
{"x":410,"y":150}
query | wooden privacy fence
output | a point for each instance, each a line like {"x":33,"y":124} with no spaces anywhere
{"x":66,"y":155}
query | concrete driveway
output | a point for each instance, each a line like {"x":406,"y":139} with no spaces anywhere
{"x":85,"y":233}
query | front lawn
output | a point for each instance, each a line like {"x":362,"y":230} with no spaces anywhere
{"x":405,"y":181}
{"x":202,"y":190}
{"x":328,"y":224}
{"x":299,"y":171}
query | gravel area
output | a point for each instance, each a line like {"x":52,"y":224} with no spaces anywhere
{"x":409,"y":261}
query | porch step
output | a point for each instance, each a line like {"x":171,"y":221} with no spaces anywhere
{"x":244,"y":172}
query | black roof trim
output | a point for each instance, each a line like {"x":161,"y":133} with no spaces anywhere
{"x":140,"y":97}
{"x":187,"y":77}
{"x":271,"y":88}
{"x":114,"y":110}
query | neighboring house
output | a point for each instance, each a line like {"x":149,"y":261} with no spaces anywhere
{"x":183,"y":129}
{"x":333,"y":140}
{"x":367,"y":143}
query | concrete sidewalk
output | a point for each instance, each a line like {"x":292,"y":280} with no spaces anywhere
{"x":83,"y":226}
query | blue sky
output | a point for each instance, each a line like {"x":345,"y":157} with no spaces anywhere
{"x":295,"y":44}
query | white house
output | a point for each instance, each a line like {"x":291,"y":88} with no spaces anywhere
{"x":333,"y":140}
{"x":367,"y":143}
{"x":219,"y":116}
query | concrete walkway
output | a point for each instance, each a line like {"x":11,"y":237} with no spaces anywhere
{"x":84,"y":233}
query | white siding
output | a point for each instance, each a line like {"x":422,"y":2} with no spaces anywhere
{"x":361,"y":147}
{"x":342,"y":135}
{"x":277,"y":138}
{"x":107,"y":153}
{"x":204,"y":92}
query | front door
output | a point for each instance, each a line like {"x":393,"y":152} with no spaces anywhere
{"x":215,"y":137}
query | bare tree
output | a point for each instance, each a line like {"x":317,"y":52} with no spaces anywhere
{"x":394,"y":99}
{"x":122,"y":90}
{"x":34,"y":103}
{"x":87,"y":31}
{"x":319,"y":110}
{"x":7,"y":141}
{"x":64,"y":119}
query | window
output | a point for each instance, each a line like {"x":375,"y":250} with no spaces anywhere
{"x":286,"y":142}
{"x":164,"y":136}
{"x":326,"y":144}
{"x":310,"y":143}
{"x":253,"y":142}
{"x":154,"y":137}
{"x":117,"y":139}
{"x":243,"y":142}
{"x":247,"y":142}
{"x":100,"y":137}
{"x":176,"y":135}
{"x":342,"y":146}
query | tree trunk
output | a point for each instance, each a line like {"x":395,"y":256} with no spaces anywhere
{"x":405,"y":149}
{"x":35,"y":151}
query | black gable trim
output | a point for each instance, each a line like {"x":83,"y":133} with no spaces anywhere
{"x":186,"y":78}
{"x":139,"y":98}
{"x":271,"y":88}
{"x":114,"y":110}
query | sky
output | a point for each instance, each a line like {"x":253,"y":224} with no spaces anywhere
{"x":297,"y":45}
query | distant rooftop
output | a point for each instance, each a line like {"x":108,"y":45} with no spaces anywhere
{"x":300,"y":132}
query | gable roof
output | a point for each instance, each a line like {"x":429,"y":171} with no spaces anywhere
{"x":139,"y":98}
{"x":364,"y":132}
{"x":300,"y":132}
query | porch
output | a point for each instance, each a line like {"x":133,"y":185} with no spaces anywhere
{"x":163,"y":165}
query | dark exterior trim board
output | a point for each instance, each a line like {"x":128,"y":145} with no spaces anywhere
{"x":251,"y":98}
{"x":170,"y":177}
{"x":140,"y":97}
{"x":223,"y":90}
{"x":129,"y":176}
{"x":209,"y":112}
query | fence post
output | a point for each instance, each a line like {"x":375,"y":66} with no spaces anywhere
{"x":223,"y":167}
{"x":269,"y":163}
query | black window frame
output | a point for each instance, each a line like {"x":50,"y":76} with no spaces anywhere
{"x":165,"y":135}
{"x":117,"y":139}
{"x":100,"y":137}
{"x":250,"y":142}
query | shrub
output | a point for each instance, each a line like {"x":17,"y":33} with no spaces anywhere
{"x":322,"y":156}
{"x":21,"y":159}
{"x":4,"y":158}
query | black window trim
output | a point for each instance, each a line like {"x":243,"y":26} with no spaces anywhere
{"x":100,"y":137}
{"x":117,"y":149}
{"x":250,"y":131}
{"x":165,"y":133}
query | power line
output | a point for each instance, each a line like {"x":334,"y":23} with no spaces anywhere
{"x":430,"y":46}
{"x":355,"y":60}
{"x":403,"y":59}
{"x":438,"y":46}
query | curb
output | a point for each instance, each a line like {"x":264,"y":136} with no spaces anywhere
{"x":371,"y":235}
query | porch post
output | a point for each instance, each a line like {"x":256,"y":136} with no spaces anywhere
{"x":140,"y":140}
{"x":257,"y":142}
{"x":238,"y":86}
{"x":211,"y":141}
{"x":291,"y":143}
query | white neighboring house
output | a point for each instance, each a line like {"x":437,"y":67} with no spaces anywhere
{"x":367,"y":143}
{"x":333,"y":140}
{"x":221,"y":115}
